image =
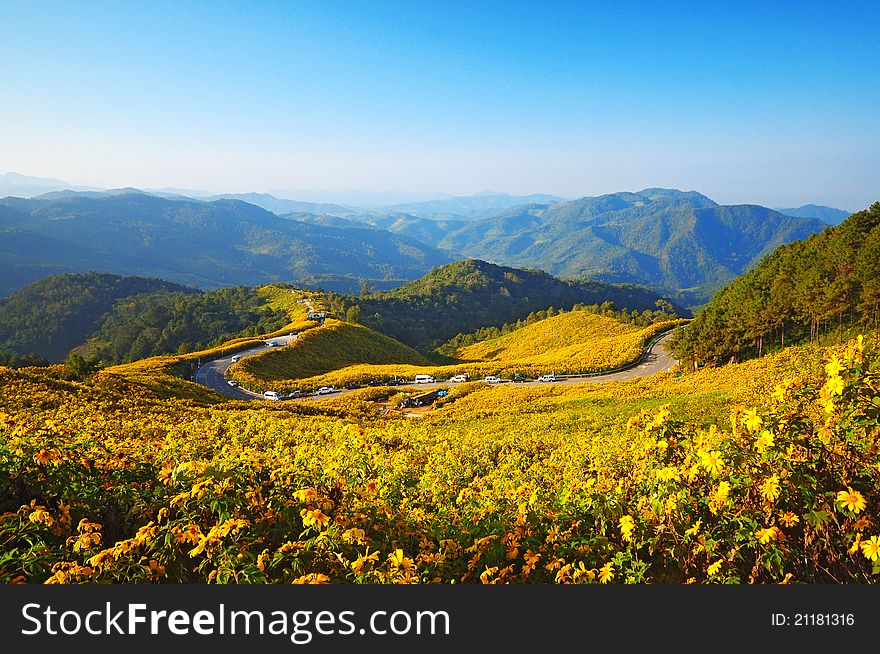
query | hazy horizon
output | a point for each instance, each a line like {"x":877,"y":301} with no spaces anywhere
{"x":772,"y":105}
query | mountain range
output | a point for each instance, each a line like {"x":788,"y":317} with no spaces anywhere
{"x":829,"y":215}
{"x":680,"y":243}
{"x":206,"y":244}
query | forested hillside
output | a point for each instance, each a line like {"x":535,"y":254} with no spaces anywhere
{"x":167,"y":322}
{"x":467,"y":295}
{"x":819,"y":287}
{"x":54,"y":315}
{"x":125,"y":318}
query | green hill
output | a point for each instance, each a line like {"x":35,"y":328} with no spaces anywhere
{"x":56,"y":314}
{"x":206,"y":244}
{"x":127,"y":318}
{"x":464,"y":296}
{"x":318,"y":351}
{"x":824,"y":285}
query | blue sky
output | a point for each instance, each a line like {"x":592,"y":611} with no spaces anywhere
{"x":773,"y":103}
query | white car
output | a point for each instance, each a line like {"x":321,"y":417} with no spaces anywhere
{"x":233,"y":383}
{"x":458,"y":378}
{"x":424,"y":379}
{"x":547,"y":378}
{"x":491,"y":379}
{"x":324,"y":390}
{"x":271,"y":395}
{"x":272,"y":343}
{"x":235,"y":358}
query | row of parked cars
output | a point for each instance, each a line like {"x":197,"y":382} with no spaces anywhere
{"x":489,"y":379}
{"x":275,"y":395}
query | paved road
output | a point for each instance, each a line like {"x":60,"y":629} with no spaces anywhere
{"x":656,"y":359}
{"x":213,"y":373}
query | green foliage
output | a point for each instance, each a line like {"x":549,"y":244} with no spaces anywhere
{"x":58,"y":313}
{"x":819,"y":288}
{"x":81,"y":367}
{"x":11,"y":360}
{"x":172,"y":322}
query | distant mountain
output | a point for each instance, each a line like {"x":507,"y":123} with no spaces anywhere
{"x":474,"y":207}
{"x":206,"y":244}
{"x":25,"y":186}
{"x":682,"y":244}
{"x":464,"y":296}
{"x":55,"y":314}
{"x":282,"y":206}
{"x":828,"y":215}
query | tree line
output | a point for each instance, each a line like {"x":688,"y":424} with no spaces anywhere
{"x":818,"y":289}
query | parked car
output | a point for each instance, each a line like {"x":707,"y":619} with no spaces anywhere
{"x":235,"y":358}
{"x":352,"y":385}
{"x":272,"y":343}
{"x":376,"y":382}
{"x":458,"y":378}
{"x":425,"y":379}
{"x":271,"y":395}
{"x":547,"y":378}
{"x":491,"y":379}
{"x":324,"y":390}
{"x":294,"y":333}
{"x":294,"y":394}
{"x":233,"y":383}
{"x":518,"y":378}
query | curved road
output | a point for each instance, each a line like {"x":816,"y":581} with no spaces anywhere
{"x":213,"y":373}
{"x":655,"y":359}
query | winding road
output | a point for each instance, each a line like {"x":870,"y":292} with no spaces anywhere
{"x":655,"y":359}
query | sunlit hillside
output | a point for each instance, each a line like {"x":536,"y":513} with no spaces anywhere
{"x":573,"y":341}
{"x":334,"y":345}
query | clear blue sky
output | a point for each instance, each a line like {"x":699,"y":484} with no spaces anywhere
{"x":776,"y":103}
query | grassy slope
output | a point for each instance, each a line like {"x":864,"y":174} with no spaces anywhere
{"x":578,"y":337}
{"x":335,"y":345}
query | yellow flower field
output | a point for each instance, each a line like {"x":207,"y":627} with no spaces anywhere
{"x":759,"y":472}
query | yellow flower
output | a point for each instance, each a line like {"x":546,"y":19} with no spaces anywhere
{"x":770,"y":489}
{"x":606,"y":573}
{"x":764,"y":441}
{"x":40,"y":514}
{"x":833,"y":367}
{"x":871,"y":548}
{"x":626,"y":527}
{"x":752,"y":420}
{"x":312,"y":578}
{"x":851,"y":500}
{"x":856,"y":544}
{"x":834,"y":386}
{"x":764,"y":536}
{"x":719,"y":497}
{"x":314,"y":517}
{"x":711,"y":461}
{"x":358,"y":564}
{"x":486,"y":575}
{"x":714,"y":568}
{"x":789,"y":519}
